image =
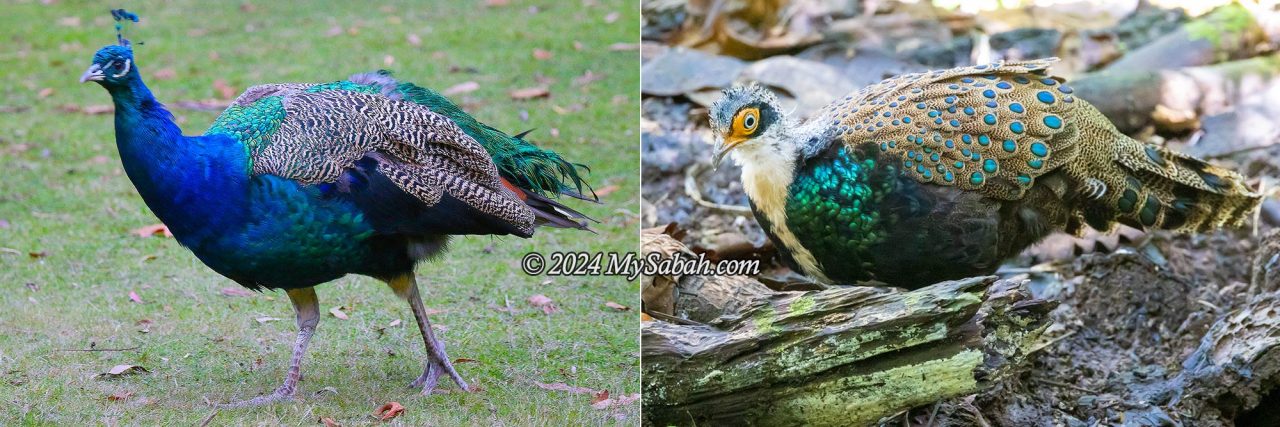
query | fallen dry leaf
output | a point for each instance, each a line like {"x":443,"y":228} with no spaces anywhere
{"x":37,"y":254}
{"x":607,"y":403}
{"x":546,"y":304}
{"x":465,"y":360}
{"x":133,"y":296}
{"x":329,"y":422}
{"x":265,"y":319}
{"x":461,"y":88}
{"x":120,"y":395}
{"x":388,"y":411}
{"x":616,"y":306}
{"x":164,"y":74}
{"x":337,"y":312}
{"x":604,"y":191}
{"x":122,"y":370}
{"x":388,"y":60}
{"x":566,"y":387}
{"x":224,"y":90}
{"x":530,"y":93}
{"x":542,"y":55}
{"x":413,"y":40}
{"x":236,"y":292}
{"x":600,"y":397}
{"x":152,"y":230}
{"x":617,"y":47}
{"x":394,"y":323}
{"x":44,"y":93}
{"x":586,"y":78}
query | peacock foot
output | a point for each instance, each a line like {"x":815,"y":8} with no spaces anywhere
{"x":431,"y":377}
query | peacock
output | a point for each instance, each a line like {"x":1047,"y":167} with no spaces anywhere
{"x":298,"y":184}
{"x":942,"y":175}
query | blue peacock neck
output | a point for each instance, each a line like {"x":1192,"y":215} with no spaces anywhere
{"x":173,"y":172}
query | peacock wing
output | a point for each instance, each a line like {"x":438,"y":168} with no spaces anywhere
{"x":312,"y":133}
{"x":992,"y":128}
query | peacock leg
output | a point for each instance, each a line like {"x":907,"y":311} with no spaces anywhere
{"x":308,"y":309}
{"x":438,"y":361}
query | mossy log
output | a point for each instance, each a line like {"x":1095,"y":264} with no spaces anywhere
{"x":1229,"y":32}
{"x":842,"y":356}
{"x":1175,"y":99}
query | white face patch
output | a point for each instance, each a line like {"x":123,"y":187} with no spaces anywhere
{"x":128,"y":63}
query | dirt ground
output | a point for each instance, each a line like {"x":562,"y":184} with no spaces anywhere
{"x":1134,"y":307}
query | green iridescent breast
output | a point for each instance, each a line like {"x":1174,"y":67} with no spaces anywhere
{"x":833,"y":208}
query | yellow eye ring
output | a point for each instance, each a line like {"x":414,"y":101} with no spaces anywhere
{"x":747,"y":121}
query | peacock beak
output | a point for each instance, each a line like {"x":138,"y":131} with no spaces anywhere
{"x":94,"y":73}
{"x":723,"y":147}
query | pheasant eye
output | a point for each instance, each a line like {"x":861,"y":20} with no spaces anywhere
{"x":747,"y":121}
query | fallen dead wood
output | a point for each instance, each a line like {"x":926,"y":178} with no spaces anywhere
{"x":843,"y":356}
{"x":1175,"y":99}
{"x":1229,"y":32}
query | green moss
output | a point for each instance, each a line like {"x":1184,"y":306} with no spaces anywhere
{"x":1230,"y":19}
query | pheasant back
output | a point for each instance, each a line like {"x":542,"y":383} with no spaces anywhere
{"x":998,"y":128}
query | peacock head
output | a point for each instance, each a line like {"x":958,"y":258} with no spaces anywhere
{"x":112,"y":66}
{"x":748,"y":120}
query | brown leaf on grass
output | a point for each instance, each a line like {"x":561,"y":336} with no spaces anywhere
{"x":44,"y":93}
{"x":120,"y":395}
{"x":546,"y":304}
{"x":530,"y":93}
{"x":577,"y":45}
{"x":337,"y":312}
{"x":465,"y":360}
{"x":413,"y":40}
{"x":541,"y":54}
{"x":333,"y":31}
{"x":265,"y":319}
{"x":566,"y":387}
{"x":225,"y":91}
{"x":587,"y":78}
{"x":607,"y":403}
{"x":616,"y":306}
{"x":165,"y":73}
{"x":329,"y":422}
{"x":618,"y":47}
{"x":236,"y":291}
{"x":388,"y":411}
{"x":248,"y":7}
{"x":604,"y":191}
{"x":611,"y":17}
{"x":461,"y":88}
{"x":599,"y":397}
{"x":37,"y":254}
{"x":152,"y":230}
{"x":122,"y":370}
{"x":388,"y":60}
{"x":133,"y":296}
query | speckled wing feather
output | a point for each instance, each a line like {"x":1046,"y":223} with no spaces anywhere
{"x":991,"y":128}
{"x":311,"y":133}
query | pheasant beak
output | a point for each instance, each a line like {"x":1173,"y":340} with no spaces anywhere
{"x":724,"y":146}
{"x":94,"y":73}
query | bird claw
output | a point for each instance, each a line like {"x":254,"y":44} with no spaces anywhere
{"x":431,"y":377}
{"x":276,"y":396}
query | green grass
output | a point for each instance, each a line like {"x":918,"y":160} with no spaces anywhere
{"x":63,"y":193}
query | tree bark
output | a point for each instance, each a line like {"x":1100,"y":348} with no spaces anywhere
{"x":842,"y":356}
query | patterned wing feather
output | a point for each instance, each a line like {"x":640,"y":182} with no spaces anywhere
{"x":311,"y":133}
{"x":992,"y":128}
